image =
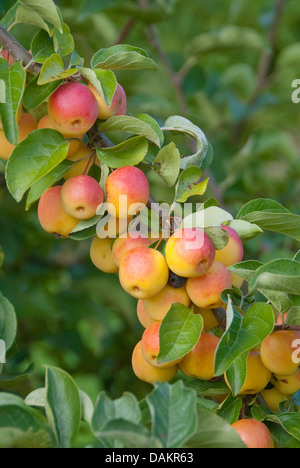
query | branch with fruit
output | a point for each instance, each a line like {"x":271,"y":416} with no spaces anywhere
{"x":210,"y":316}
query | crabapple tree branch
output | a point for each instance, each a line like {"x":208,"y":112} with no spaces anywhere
{"x":17,"y":51}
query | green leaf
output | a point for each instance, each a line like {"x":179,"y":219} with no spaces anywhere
{"x":37,"y":398}
{"x":243,"y":333}
{"x":8,"y":322}
{"x":84,"y":234}
{"x":173,"y":412}
{"x":214,"y":432}
{"x":147,"y":119}
{"x":167,"y":164}
{"x":284,"y":223}
{"x":42,"y":47}
{"x":35,"y":94}
{"x":39,"y":187}
{"x":107,"y":410}
{"x":63,"y":41}
{"x":17,"y":438}
{"x":261,"y":204}
{"x":8,"y":20}
{"x":135,"y":125}
{"x":236,"y":374}
{"x":181,"y":125}
{"x":245,"y":230}
{"x":25,"y":14}
{"x":230,"y":409}
{"x":179,"y":332}
{"x":281,"y":275}
{"x":14,"y":413}
{"x":207,"y":217}
{"x":206,"y":388}
{"x":14,"y":78}
{"x":218,"y":236}
{"x":63,"y":406}
{"x":293,"y":317}
{"x":190,"y":183}
{"x":33,"y":158}
{"x":46,"y":9}
{"x":289,"y":421}
{"x":127,"y":434}
{"x":104,"y":81}
{"x":12,"y":381}
{"x":53,"y":70}
{"x":272,"y":216}
{"x":247,"y":271}
{"x":123,"y":57}
{"x":128,"y":153}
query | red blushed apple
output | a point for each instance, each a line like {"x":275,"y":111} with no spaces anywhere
{"x":118,"y":104}
{"x":26,"y":125}
{"x":205,"y":291}
{"x":143,"y":272}
{"x":190,"y":252}
{"x":127,"y":191}
{"x":81,"y":195}
{"x":254,"y":434}
{"x":126,"y":242}
{"x":233,"y":252}
{"x":75,"y":143}
{"x":52,"y":216}
{"x":72,"y":109}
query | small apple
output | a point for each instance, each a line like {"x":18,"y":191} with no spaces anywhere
{"x":117,"y":106}
{"x":72,"y":109}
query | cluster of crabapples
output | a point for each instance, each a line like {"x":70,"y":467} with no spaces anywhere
{"x":147,"y":274}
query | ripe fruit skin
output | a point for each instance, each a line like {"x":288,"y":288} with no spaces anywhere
{"x":128,"y":182}
{"x":82,"y":155}
{"x":209,"y":320}
{"x":81,"y":196}
{"x":287,"y":384}
{"x":205,"y":291}
{"x":257,"y":377}
{"x":199,"y":362}
{"x":45,"y":122}
{"x":8,"y":57}
{"x":254,"y":434}
{"x":114,"y":227}
{"x":158,"y":306}
{"x":233,"y":252}
{"x":143,"y":317}
{"x":190,"y":252}
{"x":277,"y":352}
{"x":126,"y":242}
{"x":52,"y":216}
{"x":118,"y":104}
{"x":101,"y":255}
{"x":144,"y":371}
{"x":237,"y":281}
{"x":143,"y":272}
{"x":26,"y":125}
{"x":273,"y":398}
{"x":150,"y":347}
{"x":72,"y":109}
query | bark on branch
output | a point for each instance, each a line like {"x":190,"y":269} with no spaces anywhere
{"x":17,"y":51}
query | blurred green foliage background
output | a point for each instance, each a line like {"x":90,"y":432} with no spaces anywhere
{"x":236,"y":62}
